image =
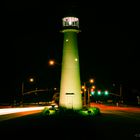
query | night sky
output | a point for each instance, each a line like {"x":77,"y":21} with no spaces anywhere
{"x":108,"y":44}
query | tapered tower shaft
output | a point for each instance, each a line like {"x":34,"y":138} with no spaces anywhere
{"x":70,"y":86}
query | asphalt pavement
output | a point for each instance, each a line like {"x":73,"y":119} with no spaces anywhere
{"x":39,"y":126}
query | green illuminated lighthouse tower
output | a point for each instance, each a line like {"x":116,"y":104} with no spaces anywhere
{"x":70,"y":85}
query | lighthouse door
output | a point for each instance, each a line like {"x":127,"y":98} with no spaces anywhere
{"x":69,"y":100}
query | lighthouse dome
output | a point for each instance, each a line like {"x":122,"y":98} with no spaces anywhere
{"x":70,"y":22}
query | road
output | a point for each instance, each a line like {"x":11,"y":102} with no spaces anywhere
{"x":112,"y":124}
{"x":126,"y":112}
{"x":15,"y":112}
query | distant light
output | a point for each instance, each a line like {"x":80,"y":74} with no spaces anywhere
{"x":93,"y":87}
{"x":76,"y":59}
{"x":83,"y":87}
{"x":106,"y":92}
{"x":91,"y":80}
{"x":67,"y":40}
{"x":31,"y":79}
{"x":51,"y":62}
{"x":55,"y":88}
{"x":114,"y":85}
{"x":92,"y":91}
{"x":99,"y":92}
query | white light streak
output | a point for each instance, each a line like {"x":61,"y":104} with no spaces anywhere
{"x":5,"y":111}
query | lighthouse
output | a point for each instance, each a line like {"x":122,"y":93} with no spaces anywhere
{"x":70,"y":84}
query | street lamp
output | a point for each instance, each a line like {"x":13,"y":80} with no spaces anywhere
{"x":51,"y":62}
{"x":31,"y":80}
{"x":91,"y":80}
{"x":120,"y":91}
{"x":86,"y":87}
{"x":55,"y":66}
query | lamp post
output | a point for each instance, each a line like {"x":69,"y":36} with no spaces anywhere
{"x":31,"y":80}
{"x":22,"y":92}
{"x":55,"y":65}
{"x":87,"y":90}
{"x":53,"y":62}
{"x":84,"y":88}
{"x":91,"y":81}
{"x":120,"y":91}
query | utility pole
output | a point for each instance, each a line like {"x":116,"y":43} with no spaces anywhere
{"x":37,"y":100}
{"x":120,"y":90}
{"x":85,"y":94}
{"x":22,"y":88}
{"x":88,"y":97}
{"x":121,"y":97}
{"x":22,"y":92}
